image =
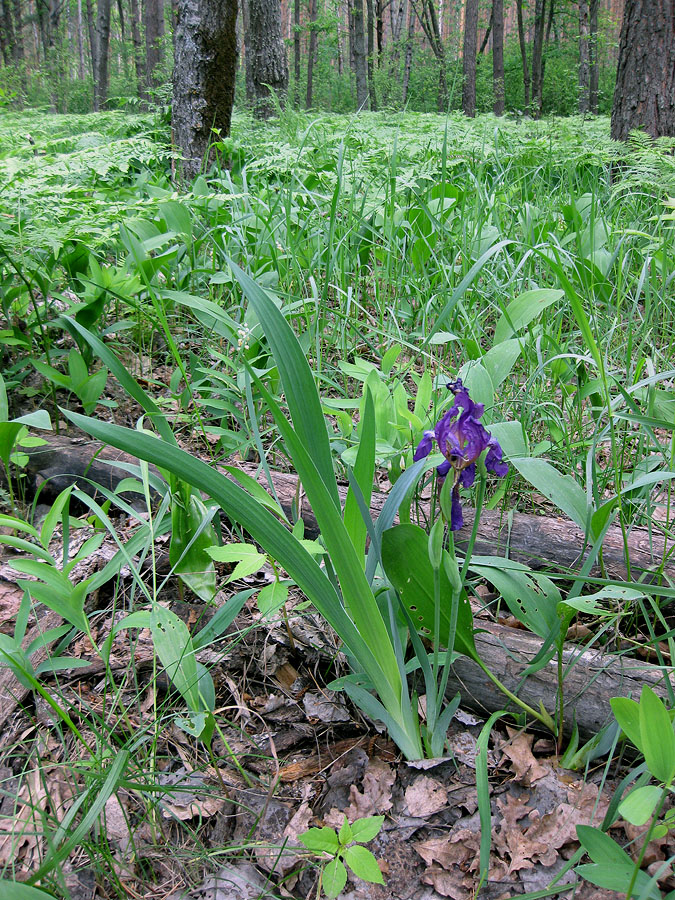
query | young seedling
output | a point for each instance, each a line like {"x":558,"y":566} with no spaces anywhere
{"x":344,"y":847}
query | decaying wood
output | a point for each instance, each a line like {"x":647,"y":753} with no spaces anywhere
{"x":536,"y":540}
{"x":591,"y":679}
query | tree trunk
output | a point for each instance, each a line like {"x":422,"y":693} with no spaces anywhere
{"x":91,"y":30}
{"x":407,"y":66}
{"x":379,"y":29}
{"x":498,"y":56}
{"x":584,"y":58}
{"x":360,"y":66}
{"x":205,"y":66}
{"x":371,"y":54}
{"x":523,"y":55}
{"x":644,"y":96}
{"x":311,"y":54}
{"x":488,"y":31}
{"x":538,"y":57}
{"x":154,"y":35}
{"x":138,"y":47}
{"x":296,"y":54}
{"x":268,"y":55}
{"x":81,"y":67}
{"x":248,"y":53}
{"x":595,"y":71}
{"x":9,"y":33}
{"x":18,"y":28}
{"x":102,"y":51}
{"x":469,"y":58}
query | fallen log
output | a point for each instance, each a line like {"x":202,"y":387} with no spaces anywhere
{"x":591,"y":678}
{"x":538,"y":541}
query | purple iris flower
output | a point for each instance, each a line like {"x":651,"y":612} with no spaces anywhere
{"x":461,"y":439}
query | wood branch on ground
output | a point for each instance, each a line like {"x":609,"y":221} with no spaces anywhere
{"x":591,"y":677}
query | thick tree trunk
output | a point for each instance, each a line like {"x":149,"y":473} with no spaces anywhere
{"x":248,"y":52}
{"x":18,"y":36}
{"x":154,"y":36}
{"x":523,"y":55}
{"x":595,"y":71}
{"x":469,"y":58}
{"x":360,"y":67}
{"x":205,"y":65}
{"x":644,"y":96}
{"x":268,"y":55}
{"x":311,"y":53}
{"x":371,"y":54}
{"x":498,"y":56}
{"x":584,"y":57}
{"x":7,"y":27}
{"x":102,"y":52}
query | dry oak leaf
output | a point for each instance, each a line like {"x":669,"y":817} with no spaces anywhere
{"x":425,"y":796}
{"x":457,"y":850}
{"x":375,"y":799}
{"x":518,"y":749}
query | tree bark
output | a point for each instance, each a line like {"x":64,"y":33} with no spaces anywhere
{"x":469,"y":58}
{"x":296,"y":54}
{"x":584,"y":57}
{"x":523,"y":55}
{"x":138,"y":47}
{"x":498,"y":56}
{"x":595,"y":71}
{"x":644,"y":96}
{"x":154,"y":35}
{"x":311,"y":53}
{"x":205,"y":65}
{"x":269,"y":66}
{"x":102,"y":52}
{"x":360,"y":67}
{"x":407,"y":65}
{"x":371,"y":54}
{"x":91,"y":31}
{"x":538,"y":57}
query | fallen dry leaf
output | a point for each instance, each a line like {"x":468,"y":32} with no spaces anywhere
{"x":519,"y":750}
{"x":375,"y":799}
{"x":425,"y":796}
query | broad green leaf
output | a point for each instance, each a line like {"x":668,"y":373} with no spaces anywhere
{"x":14,"y":890}
{"x":478,"y":382}
{"x":601,"y":847}
{"x":364,"y":470}
{"x":405,"y":559}
{"x":363,"y":864}
{"x":511,"y":438}
{"x":172,"y":642}
{"x":334,"y":878}
{"x":532,"y":597}
{"x":500,"y":360}
{"x":272,"y":597}
{"x":320,"y":840}
{"x":222,"y":620}
{"x":365,"y":830}
{"x":638,"y":807}
{"x":658,"y":737}
{"x":562,"y":490}
{"x":345,"y":834}
{"x":523,"y":310}
{"x":627,"y":714}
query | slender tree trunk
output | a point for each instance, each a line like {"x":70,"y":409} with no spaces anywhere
{"x":7,"y":29}
{"x":81,"y":66}
{"x":379,"y":29}
{"x":523,"y":54}
{"x":488,"y":31}
{"x":644,"y":96}
{"x":360,"y":66}
{"x":593,"y":47}
{"x":296,"y":54}
{"x":538,"y":57}
{"x":407,"y":66}
{"x":371,"y":54}
{"x":584,"y":58}
{"x":205,"y":66}
{"x":154,"y":35}
{"x":20,"y":52}
{"x":93,"y":46}
{"x":102,"y":48}
{"x":138,"y":46}
{"x":469,"y":58}
{"x":352,"y":35}
{"x":269,"y":63}
{"x":498,"y":56}
{"x":311,"y":53}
